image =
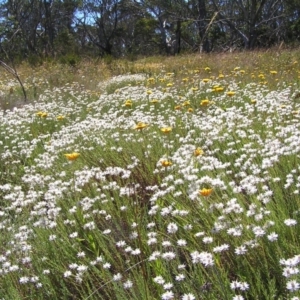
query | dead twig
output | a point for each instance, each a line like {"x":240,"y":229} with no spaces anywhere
{"x":12,"y":70}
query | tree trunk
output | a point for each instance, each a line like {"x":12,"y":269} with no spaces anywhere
{"x":202,"y":15}
{"x":49,"y":30}
{"x":178,"y":37}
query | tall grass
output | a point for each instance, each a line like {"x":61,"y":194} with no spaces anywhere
{"x":172,"y":178}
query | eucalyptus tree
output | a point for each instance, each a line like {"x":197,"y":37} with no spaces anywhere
{"x":184,"y":24}
{"x":100,"y":19}
{"x":292,"y":20}
{"x":251,"y":23}
{"x":20,"y":21}
{"x":39,"y":28}
{"x":32,"y":26}
{"x":139,"y":30}
{"x":157,"y":10}
{"x":57,"y":18}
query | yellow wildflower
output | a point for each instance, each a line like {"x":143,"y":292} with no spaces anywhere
{"x":205,"y":192}
{"x":128,"y":103}
{"x":190,"y":110}
{"x":166,"y":129}
{"x":59,"y":118}
{"x":42,"y":114}
{"x":166,"y":163}
{"x":72,"y":156}
{"x":205,"y":80}
{"x":218,"y":89}
{"x":198,"y":151}
{"x":153,"y":101}
{"x":39,"y":113}
{"x":230,"y":93}
{"x":140,"y":125}
{"x":273,"y":72}
{"x":204,"y":102}
{"x":186,"y":103}
{"x":207,"y":68}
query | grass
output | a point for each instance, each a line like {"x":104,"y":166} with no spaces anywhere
{"x":185,"y":184}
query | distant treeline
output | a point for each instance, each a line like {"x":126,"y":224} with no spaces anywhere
{"x":69,"y":29}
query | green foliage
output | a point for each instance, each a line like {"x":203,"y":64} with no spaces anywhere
{"x":145,"y":26}
{"x":35,"y":60}
{"x":70,"y":59}
{"x":108,"y":59}
{"x":32,"y":29}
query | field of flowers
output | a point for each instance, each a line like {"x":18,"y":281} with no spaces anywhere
{"x":176,"y":182}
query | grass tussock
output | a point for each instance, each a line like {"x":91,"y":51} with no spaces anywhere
{"x":173,"y":178}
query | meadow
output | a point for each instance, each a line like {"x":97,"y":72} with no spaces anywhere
{"x":162,"y":178}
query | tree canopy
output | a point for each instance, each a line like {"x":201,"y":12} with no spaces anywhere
{"x":31,"y":29}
